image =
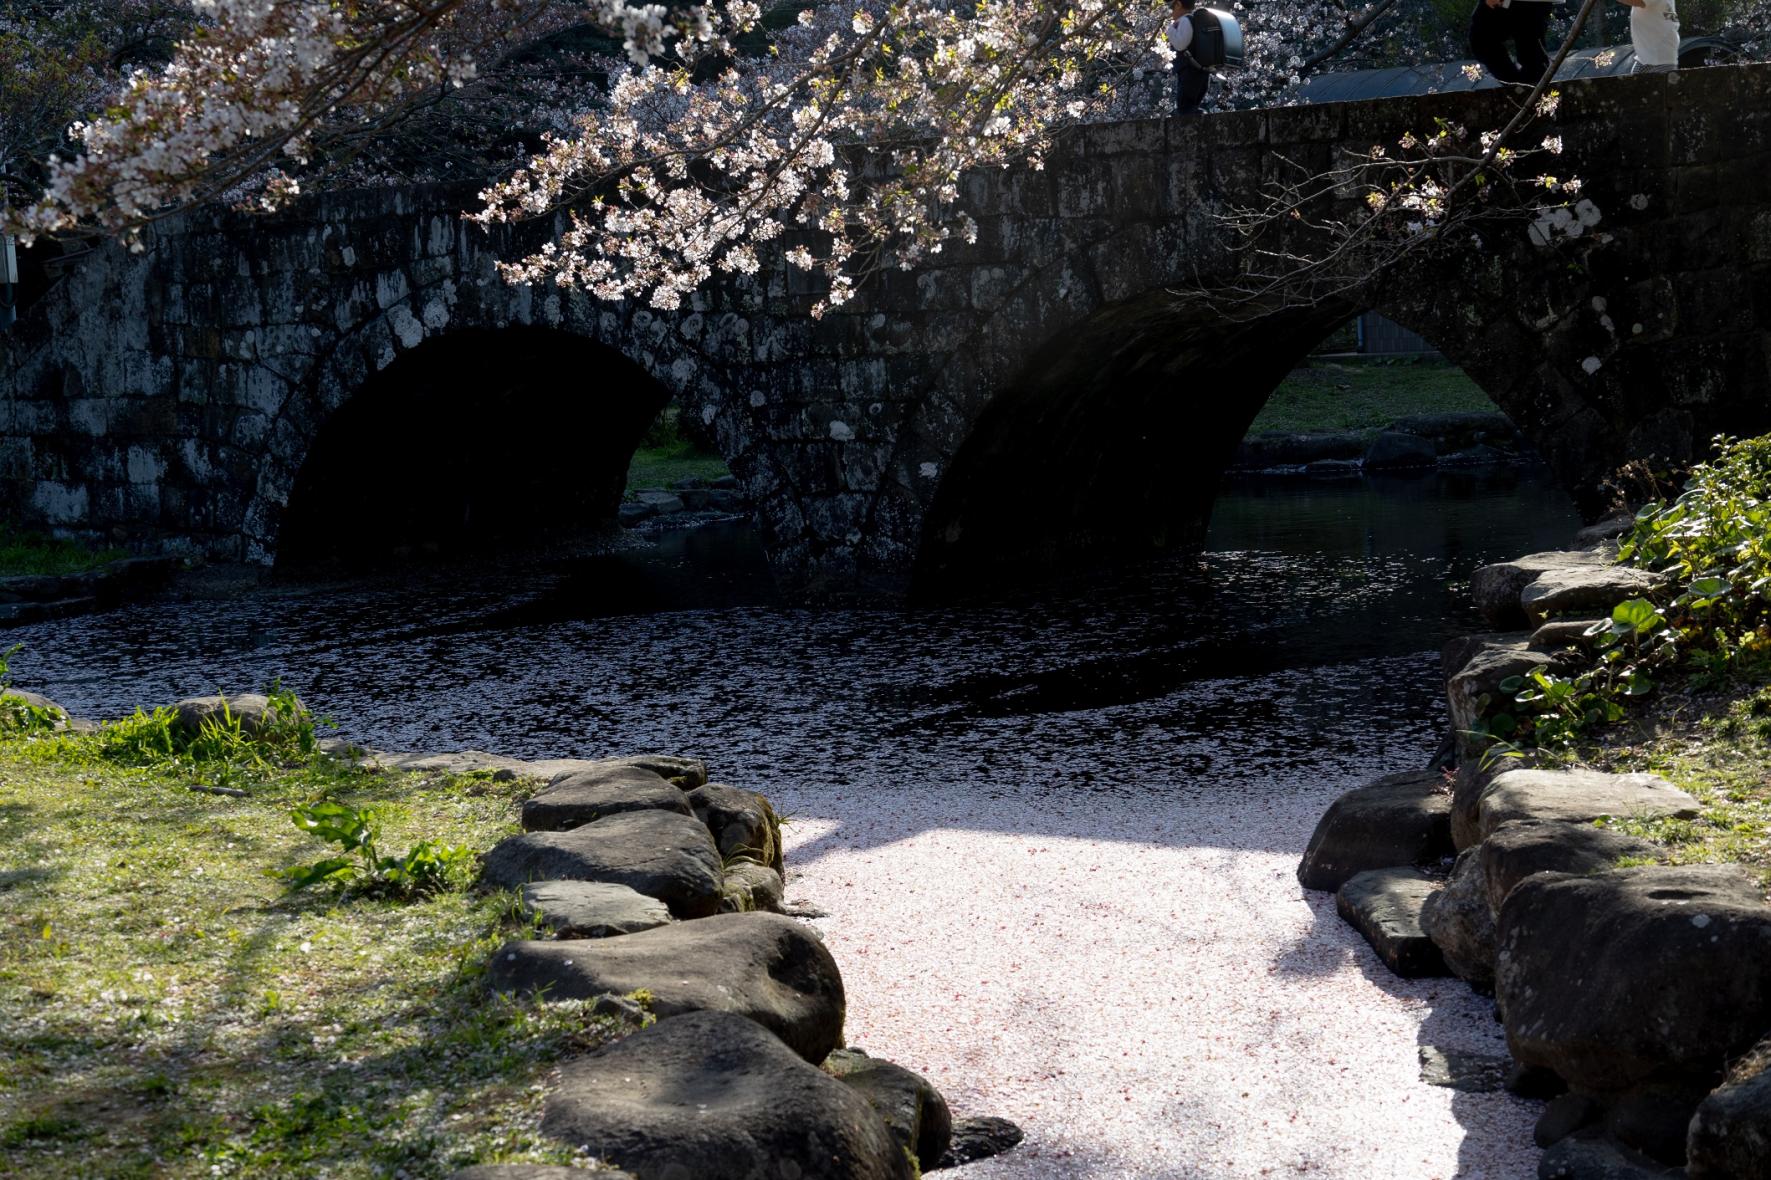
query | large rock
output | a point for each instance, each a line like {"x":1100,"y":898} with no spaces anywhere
{"x":711,"y":1096}
{"x":1578,"y":797}
{"x":658,"y":853}
{"x":1516,"y":850}
{"x":1730,"y":1135}
{"x":913,"y":1110}
{"x":582,"y":797}
{"x":687,"y":773}
{"x":1634,"y":976}
{"x":762,"y":966}
{"x":12,"y":716}
{"x":1495,"y":589}
{"x":979,"y":1138}
{"x":1457,"y":652}
{"x":1461,"y":925}
{"x":1591,"y":589}
{"x":1564,"y":635}
{"x":750,"y":886}
{"x":1384,"y":905}
{"x":592,"y":909}
{"x":742,"y":822}
{"x":1401,"y":819}
{"x":1474,"y":693}
{"x":1597,"y":1158}
{"x":251,"y":709}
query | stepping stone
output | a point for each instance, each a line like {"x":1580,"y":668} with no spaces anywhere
{"x":1401,"y":819}
{"x":761,"y":966}
{"x":742,"y":822}
{"x":1578,"y":797}
{"x":712,"y":1096}
{"x":592,"y":909}
{"x":913,"y":1110}
{"x":1384,"y":905}
{"x":1475,"y":693}
{"x":582,"y":797}
{"x":658,"y":853}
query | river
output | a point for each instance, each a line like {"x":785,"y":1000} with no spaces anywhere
{"x":1053,"y":830}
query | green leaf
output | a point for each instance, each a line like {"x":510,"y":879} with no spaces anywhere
{"x":1511,"y":684}
{"x":1710,"y":587}
{"x":1637,"y":614}
{"x":333,"y":868}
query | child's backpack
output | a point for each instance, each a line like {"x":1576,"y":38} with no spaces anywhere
{"x":1217,"y":38}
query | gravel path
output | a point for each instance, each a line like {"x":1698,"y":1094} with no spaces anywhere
{"x":1140,"y":983}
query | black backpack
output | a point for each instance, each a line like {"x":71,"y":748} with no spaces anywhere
{"x":1207,"y":49}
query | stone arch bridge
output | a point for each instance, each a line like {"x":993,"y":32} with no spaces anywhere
{"x":1051,"y":389}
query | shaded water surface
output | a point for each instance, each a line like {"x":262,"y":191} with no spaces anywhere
{"x":1307,"y":628}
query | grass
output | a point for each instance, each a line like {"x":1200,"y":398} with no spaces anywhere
{"x":1332,"y":396}
{"x":659,"y":467}
{"x":168,"y":1010}
{"x":35,"y":553}
{"x":1724,"y":760}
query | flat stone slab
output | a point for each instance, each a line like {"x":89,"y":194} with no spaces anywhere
{"x":580,"y":797}
{"x":1587,"y":589}
{"x":592,"y":909}
{"x":1578,"y":797}
{"x":1516,"y":850}
{"x":1401,"y":819}
{"x":1384,"y":905}
{"x":761,"y":966}
{"x":658,"y":853}
{"x":1454,"y":1069}
{"x":1495,"y":589}
{"x":1617,"y":979}
{"x":712,"y":1096}
{"x":1562,"y":634}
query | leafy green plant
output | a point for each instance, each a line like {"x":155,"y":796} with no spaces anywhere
{"x":361,"y":867}
{"x":1709,"y":618}
{"x":16,"y":713}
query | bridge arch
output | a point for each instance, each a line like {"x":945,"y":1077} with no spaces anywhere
{"x":1114,"y":434}
{"x":471,"y":437}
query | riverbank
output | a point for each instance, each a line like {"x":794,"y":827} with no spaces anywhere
{"x":166,"y":1008}
{"x":1610,"y":819}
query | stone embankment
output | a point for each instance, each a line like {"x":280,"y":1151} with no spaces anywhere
{"x":711,"y":497}
{"x":36,"y":598}
{"x":1417,"y":442}
{"x":1637,"y":1000}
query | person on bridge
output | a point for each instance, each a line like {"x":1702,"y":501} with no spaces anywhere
{"x":1191,"y":78}
{"x":1522,"y":22}
{"x":1654,"y":35}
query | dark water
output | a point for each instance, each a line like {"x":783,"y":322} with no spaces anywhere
{"x":1310,"y":627}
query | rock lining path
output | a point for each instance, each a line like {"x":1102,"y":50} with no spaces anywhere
{"x":1142,"y":984}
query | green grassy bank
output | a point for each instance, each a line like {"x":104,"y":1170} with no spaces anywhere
{"x":167,"y":1008}
{"x":1366,"y":395}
